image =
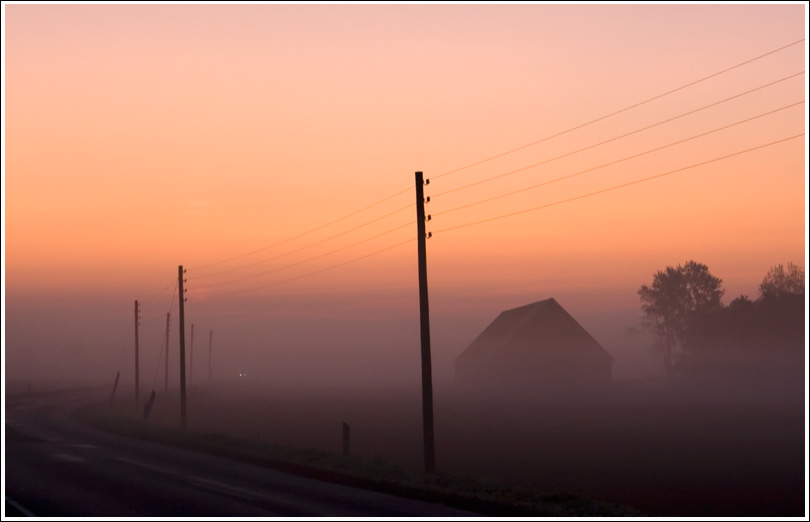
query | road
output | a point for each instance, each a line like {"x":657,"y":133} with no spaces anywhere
{"x":57,"y":466}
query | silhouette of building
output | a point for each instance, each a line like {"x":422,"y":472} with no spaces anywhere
{"x":536,"y":345}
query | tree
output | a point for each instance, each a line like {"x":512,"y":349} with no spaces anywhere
{"x":781,"y":281}
{"x":677,"y":298}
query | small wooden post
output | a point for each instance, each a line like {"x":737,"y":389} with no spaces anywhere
{"x":147,"y":409}
{"x":115,"y":387}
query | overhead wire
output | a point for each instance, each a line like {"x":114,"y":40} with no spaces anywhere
{"x":606,"y":116}
{"x":163,"y":290}
{"x":308,"y":259}
{"x":656,"y":149}
{"x":321,"y":227}
{"x":636,"y":131}
{"x":671,"y":91}
{"x":638,"y":104}
{"x":162,"y":295}
{"x":358,"y":227}
{"x":617,"y":187}
{"x":274,"y":283}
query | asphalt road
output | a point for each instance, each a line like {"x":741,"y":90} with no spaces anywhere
{"x":57,"y":466}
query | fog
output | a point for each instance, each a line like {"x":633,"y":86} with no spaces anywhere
{"x":352,"y":338}
{"x":290,"y":369}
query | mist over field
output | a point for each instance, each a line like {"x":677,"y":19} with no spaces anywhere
{"x":726,"y":444}
{"x":362,"y":338}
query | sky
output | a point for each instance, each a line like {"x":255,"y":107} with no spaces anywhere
{"x":270,"y":150}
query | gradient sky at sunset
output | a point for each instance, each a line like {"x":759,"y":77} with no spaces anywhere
{"x":142,"y":137}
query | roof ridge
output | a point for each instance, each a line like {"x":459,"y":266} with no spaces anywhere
{"x":522,"y":316}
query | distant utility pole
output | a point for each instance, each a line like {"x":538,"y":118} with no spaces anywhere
{"x":210,"y":371}
{"x":182,"y":299}
{"x":137,"y":323}
{"x":191,"y":358}
{"x":166,"y":362}
{"x":424,"y":320}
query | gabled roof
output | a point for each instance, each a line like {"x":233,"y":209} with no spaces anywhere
{"x":539,"y":328}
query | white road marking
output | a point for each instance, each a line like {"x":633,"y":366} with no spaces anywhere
{"x":202,"y":482}
{"x":159,"y":469}
{"x":19,"y":508}
{"x":223,"y":488}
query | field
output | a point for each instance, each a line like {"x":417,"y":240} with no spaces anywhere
{"x":665,"y":448}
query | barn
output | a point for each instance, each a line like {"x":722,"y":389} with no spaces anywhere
{"x":539,"y":344}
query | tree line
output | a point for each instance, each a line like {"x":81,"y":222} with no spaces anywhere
{"x":683,"y":307}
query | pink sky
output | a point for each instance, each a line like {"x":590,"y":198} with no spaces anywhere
{"x":142,"y":137}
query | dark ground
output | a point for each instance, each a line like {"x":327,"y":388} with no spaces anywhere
{"x":665,"y":448}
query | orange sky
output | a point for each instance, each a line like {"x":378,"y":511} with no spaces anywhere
{"x":141,"y":137}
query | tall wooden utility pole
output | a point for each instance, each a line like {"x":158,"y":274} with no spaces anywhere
{"x":137,"y":382}
{"x":210,"y":371}
{"x":166,"y":365}
{"x":182,"y":300}
{"x":424,"y":320}
{"x":191,"y":359}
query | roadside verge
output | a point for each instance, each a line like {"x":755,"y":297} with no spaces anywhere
{"x":486,"y":498}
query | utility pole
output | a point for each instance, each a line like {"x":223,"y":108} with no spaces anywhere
{"x":424,"y":320}
{"x":182,"y":300}
{"x":210,"y":371}
{"x":166,"y":362}
{"x":137,"y":323}
{"x":191,"y":359}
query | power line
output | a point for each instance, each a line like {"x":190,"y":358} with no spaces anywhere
{"x":162,"y":293}
{"x":478,"y":163}
{"x":501,"y":155}
{"x":648,"y":100}
{"x":303,"y":233}
{"x":618,"y":186}
{"x":306,"y":246}
{"x":617,"y":161}
{"x":308,"y":259}
{"x":662,"y":122}
{"x":317,"y":271}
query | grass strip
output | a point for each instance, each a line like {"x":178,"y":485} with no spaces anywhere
{"x":472,"y":494}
